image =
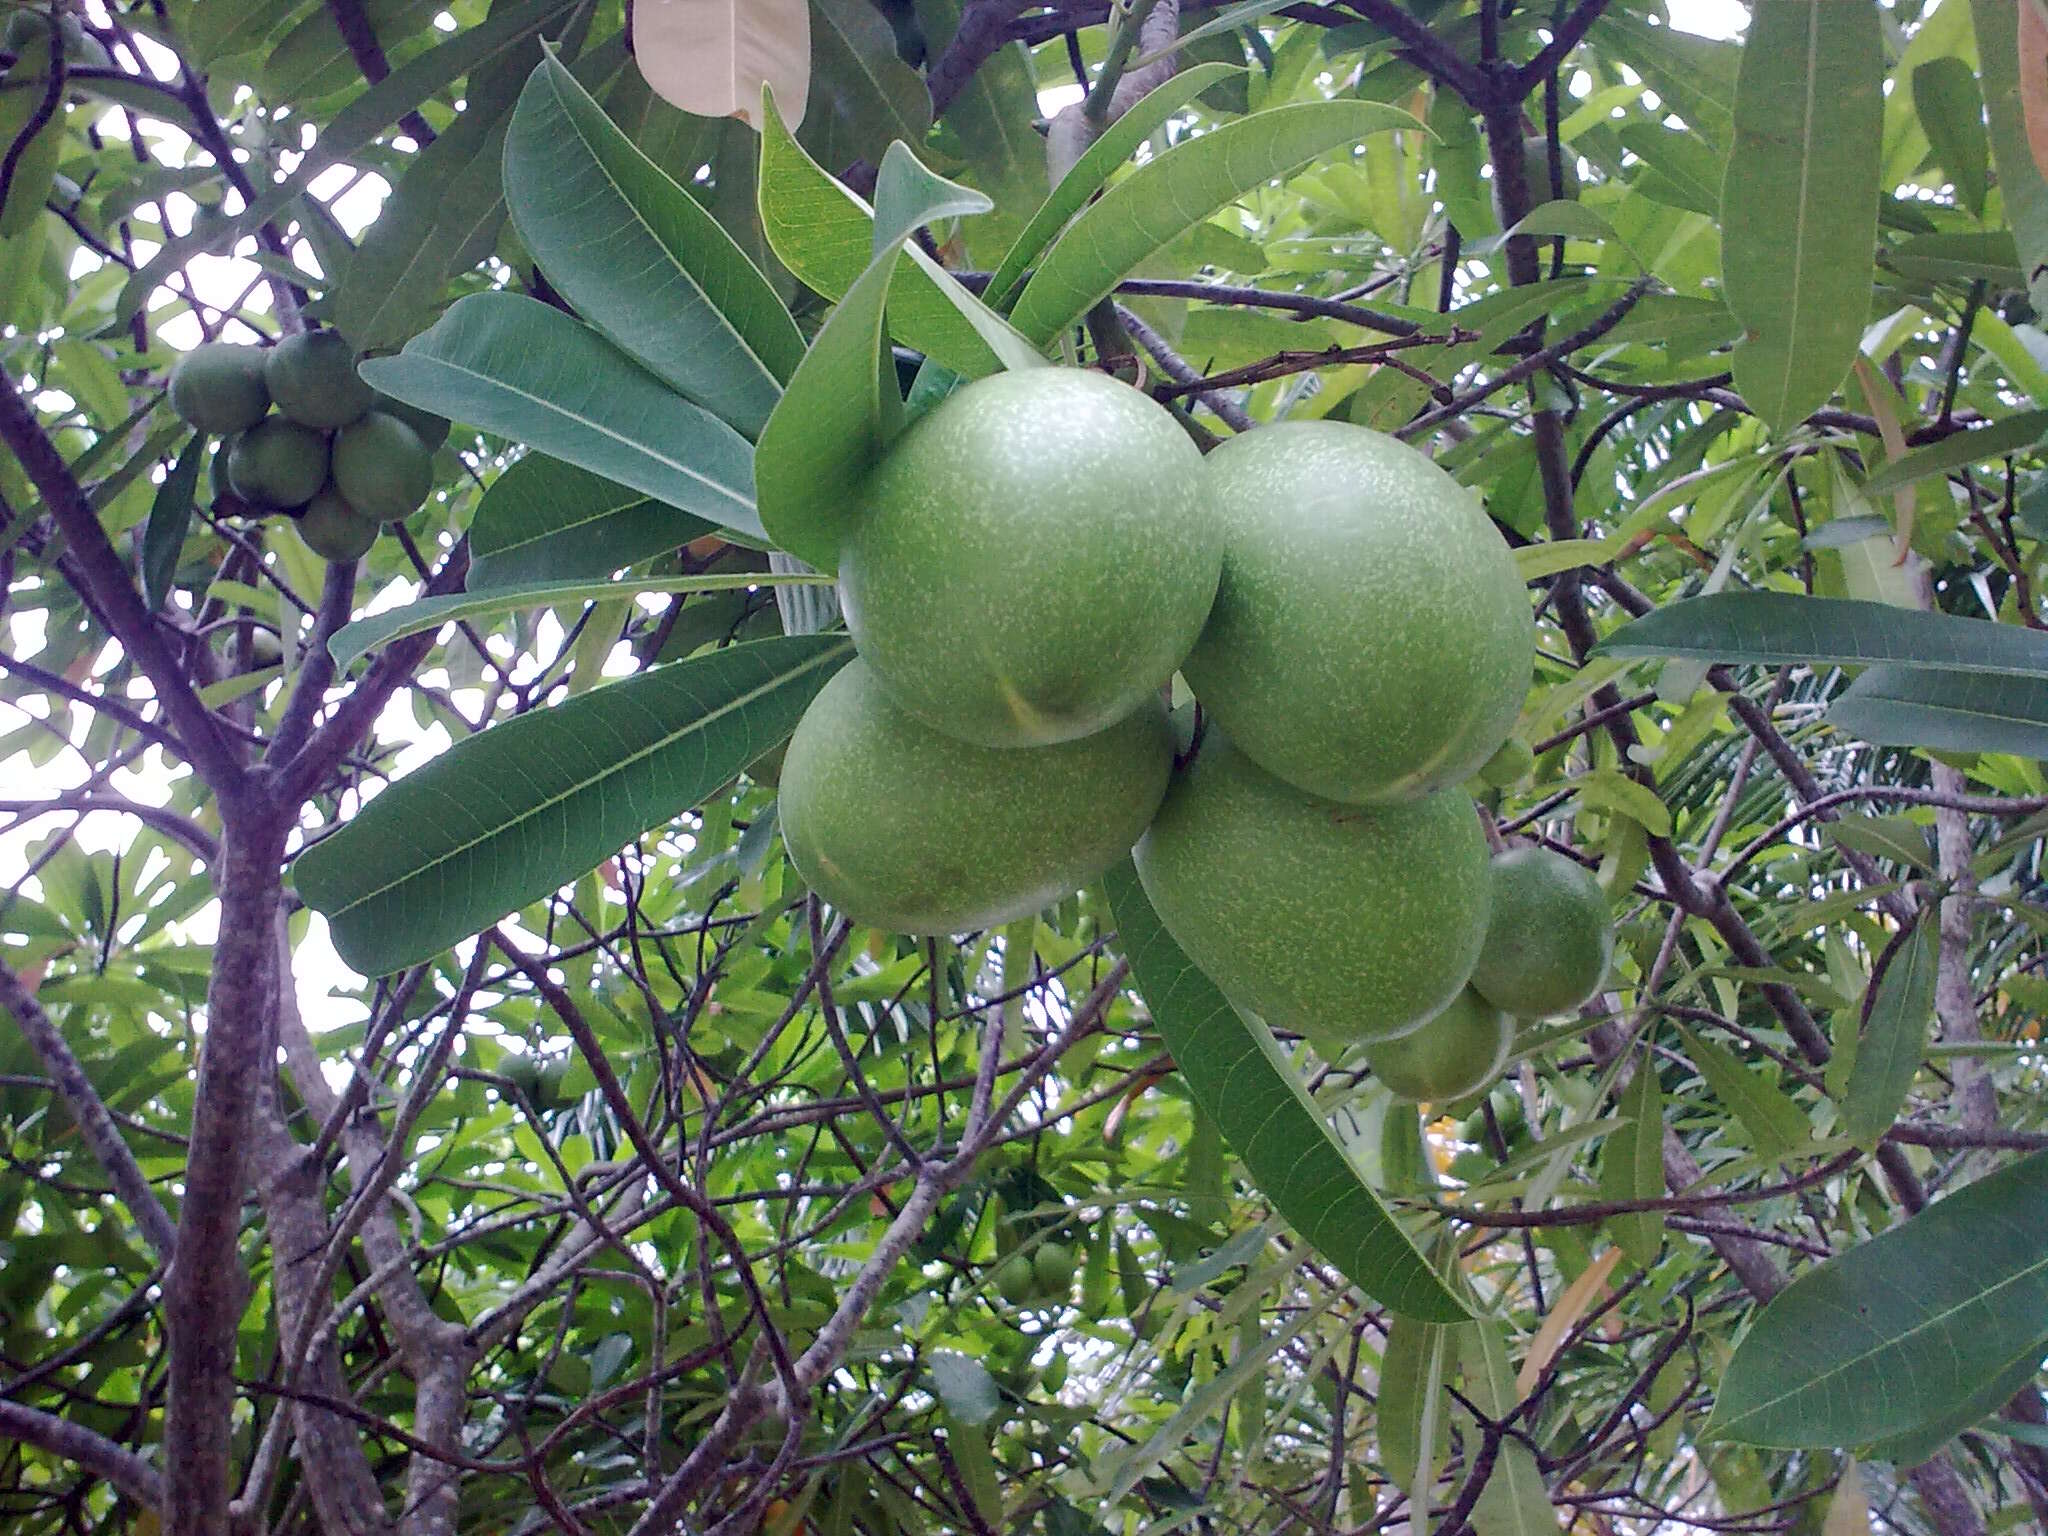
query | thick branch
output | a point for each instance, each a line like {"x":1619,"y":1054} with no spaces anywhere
{"x":79,"y":1445}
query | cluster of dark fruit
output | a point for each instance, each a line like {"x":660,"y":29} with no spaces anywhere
{"x":306,"y":438}
{"x":1023,"y":573}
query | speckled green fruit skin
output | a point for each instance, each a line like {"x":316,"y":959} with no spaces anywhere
{"x":1550,"y":937}
{"x":312,"y":378}
{"x":219,"y":387}
{"x":1371,"y":640}
{"x":905,"y":828}
{"x":1346,"y":923}
{"x":382,"y":467}
{"x":1016,"y":1280}
{"x":1451,"y":1057}
{"x":1053,"y":1263}
{"x":334,"y":530}
{"x":278,"y":464}
{"x":431,"y":430}
{"x":1032,"y":558}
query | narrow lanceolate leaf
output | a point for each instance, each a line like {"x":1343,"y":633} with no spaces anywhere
{"x":1799,"y":205}
{"x":1411,"y":1420}
{"x":365,"y":635}
{"x":521,"y":809}
{"x":543,"y":520}
{"x":1848,"y":1354}
{"x":1632,"y":1165}
{"x":1515,"y":1501}
{"x":711,"y":57}
{"x":1895,"y":1017}
{"x":1947,"y":711}
{"x":523,"y":369}
{"x":2021,"y":186}
{"x":1773,"y":1123}
{"x":1166,"y":197}
{"x":1238,"y":1074}
{"x":1783,"y":629}
{"x":1964,"y":448}
{"x":1950,"y":107}
{"x":640,"y":258}
{"x":170,"y":516}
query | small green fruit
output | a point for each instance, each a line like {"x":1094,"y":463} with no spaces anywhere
{"x":1371,"y":640}
{"x":1453,"y":1056}
{"x":1550,"y":937}
{"x":1510,"y":765}
{"x":1346,"y":923}
{"x":1016,"y":1280}
{"x":313,"y":379}
{"x":431,"y":430}
{"x":26,"y":33}
{"x":278,"y":464}
{"x":218,"y":387}
{"x":334,"y":530}
{"x":1054,"y":1265}
{"x":904,"y":828}
{"x":81,"y":47}
{"x":381,"y":466}
{"x":1031,"y":559}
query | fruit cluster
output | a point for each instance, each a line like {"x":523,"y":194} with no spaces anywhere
{"x":338,"y":458}
{"x":1031,"y":564}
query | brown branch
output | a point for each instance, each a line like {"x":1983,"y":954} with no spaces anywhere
{"x":81,"y":1446}
{"x":354,"y":25}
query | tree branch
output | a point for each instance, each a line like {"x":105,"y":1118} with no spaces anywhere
{"x":79,"y":1445}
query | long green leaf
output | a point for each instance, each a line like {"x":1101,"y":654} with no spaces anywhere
{"x":1166,"y":197}
{"x":1902,"y":1331}
{"x":523,"y":369}
{"x":1909,"y":1450}
{"x":543,"y":520}
{"x":170,"y":516}
{"x":1894,"y":1036}
{"x":2021,"y":187}
{"x":1237,"y":1073}
{"x":1632,"y":1164}
{"x":1773,"y":1123}
{"x":1973,"y":447}
{"x":1782,"y":629}
{"x":640,"y":258}
{"x":1948,"y":711}
{"x":1799,"y":203}
{"x":522,"y":808}
{"x":355,"y":640}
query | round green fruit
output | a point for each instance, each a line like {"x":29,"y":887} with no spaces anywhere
{"x":1453,"y":1056}
{"x":1032,"y":558}
{"x":1550,"y":937}
{"x":1509,"y":766}
{"x":278,"y":464}
{"x":1053,"y":1263}
{"x":334,"y":530}
{"x":1371,"y":639}
{"x":1016,"y":1280}
{"x":26,"y":32}
{"x":431,"y":430}
{"x":1346,"y":923}
{"x":218,"y":387}
{"x":903,"y":828}
{"x":312,"y":378}
{"x":382,"y":467}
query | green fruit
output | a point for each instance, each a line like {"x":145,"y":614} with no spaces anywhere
{"x":1054,"y":1265}
{"x":81,"y":47}
{"x":1454,"y":1055}
{"x":218,"y":387}
{"x":1510,"y":765}
{"x":1371,"y":640}
{"x":1031,"y":559}
{"x":1016,"y":1280}
{"x":313,"y":380}
{"x":381,"y":466}
{"x":26,"y":32}
{"x":431,"y":430}
{"x":334,"y":530}
{"x":277,"y":464}
{"x":1550,"y":938}
{"x":1346,"y":923}
{"x":903,"y":828}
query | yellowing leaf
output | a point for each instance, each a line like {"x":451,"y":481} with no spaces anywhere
{"x":712,"y":57}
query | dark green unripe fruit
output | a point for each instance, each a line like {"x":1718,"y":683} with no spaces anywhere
{"x":1346,"y":923}
{"x":313,"y":380}
{"x":1054,"y":1265}
{"x":1371,"y":640}
{"x":1032,"y":558}
{"x":1016,"y":1280}
{"x":81,"y":47}
{"x":1550,"y":937}
{"x":381,"y":466}
{"x":1510,"y":765}
{"x":1453,"y":1056}
{"x":26,"y":33}
{"x":431,"y":430}
{"x":219,"y":387}
{"x":278,"y":464}
{"x":904,"y":828}
{"x":334,"y":530}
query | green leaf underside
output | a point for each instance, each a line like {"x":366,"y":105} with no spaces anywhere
{"x":543,"y":520}
{"x":523,"y":369}
{"x":640,"y":258}
{"x":1782,"y":629}
{"x":1947,"y":711}
{"x":1899,"y":1332}
{"x":1799,"y":203}
{"x":1894,"y":1038}
{"x":1166,"y":197}
{"x":1239,"y":1076}
{"x":521,"y":809}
